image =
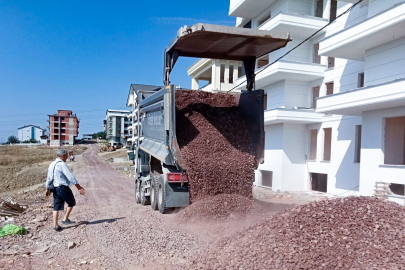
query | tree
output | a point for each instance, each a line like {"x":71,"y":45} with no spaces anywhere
{"x":12,"y":139}
{"x":100,"y":135}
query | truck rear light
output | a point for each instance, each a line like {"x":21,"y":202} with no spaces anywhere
{"x":176,"y":177}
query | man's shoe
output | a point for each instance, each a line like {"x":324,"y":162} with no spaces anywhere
{"x":58,"y":229}
{"x":68,"y":221}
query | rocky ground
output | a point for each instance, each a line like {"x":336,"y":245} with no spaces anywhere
{"x":113,"y":232}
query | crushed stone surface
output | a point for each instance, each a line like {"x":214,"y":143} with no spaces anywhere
{"x":215,"y":144}
{"x":347,"y":233}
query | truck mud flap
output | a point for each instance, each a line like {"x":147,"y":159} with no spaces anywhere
{"x":251,"y":108}
{"x":177,"y":195}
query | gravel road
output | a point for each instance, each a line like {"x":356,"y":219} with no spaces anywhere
{"x":113,"y":232}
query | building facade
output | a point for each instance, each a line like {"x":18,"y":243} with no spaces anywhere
{"x":335,"y":108}
{"x":116,"y":126}
{"x":63,"y":128}
{"x":30,"y":132}
{"x":214,"y":75}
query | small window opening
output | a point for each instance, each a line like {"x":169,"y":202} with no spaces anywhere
{"x":264,"y":19}
{"x":62,"y":119}
{"x":231,"y":67}
{"x":398,"y":189}
{"x":262,"y":61}
{"x":265,"y":102}
{"x":267,"y":178}
{"x":222,"y":73}
{"x":361,"y":80}
{"x":319,"y":8}
{"x":319,"y":182}
{"x":331,"y":62}
{"x":315,"y":95}
{"x":333,"y":10}
{"x":327,"y":144}
{"x":357,"y":144}
{"x":313,"y":144}
{"x":248,"y":24}
{"x":317,"y":57}
{"x":329,"y":88}
{"x":241,"y":72}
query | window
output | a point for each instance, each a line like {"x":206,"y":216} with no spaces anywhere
{"x":329,"y":88}
{"x":315,"y":95}
{"x":319,"y":182}
{"x":327,"y":143}
{"x":248,"y":24}
{"x":231,"y":67}
{"x":241,"y":72}
{"x":262,"y":61}
{"x":333,"y":10}
{"x":319,"y":8}
{"x":267,"y":178}
{"x":313,"y":144}
{"x":331,"y":62}
{"x":360,"y":82}
{"x":56,"y":119}
{"x":398,"y":189}
{"x":222,"y":73}
{"x":394,"y":141}
{"x":265,"y":101}
{"x":264,"y":19}
{"x":56,"y":137}
{"x":62,"y":119}
{"x":317,"y":57}
{"x":357,"y":144}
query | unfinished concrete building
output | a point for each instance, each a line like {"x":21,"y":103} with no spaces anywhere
{"x":63,"y":128}
{"x":116,"y":126}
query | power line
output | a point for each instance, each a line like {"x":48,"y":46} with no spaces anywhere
{"x":305,"y":40}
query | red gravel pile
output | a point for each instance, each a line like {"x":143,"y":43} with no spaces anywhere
{"x":214,"y":143}
{"x":218,"y":208}
{"x":350,"y":233}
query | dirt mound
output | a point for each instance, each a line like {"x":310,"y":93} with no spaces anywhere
{"x":214,"y":143}
{"x":350,"y":233}
{"x":219,"y":207}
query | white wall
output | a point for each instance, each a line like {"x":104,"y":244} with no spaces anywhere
{"x":25,"y":134}
{"x":376,"y":6}
{"x":343,"y":172}
{"x":372,"y":152}
{"x":385,"y":63}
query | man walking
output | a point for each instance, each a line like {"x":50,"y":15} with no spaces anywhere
{"x":61,"y":177}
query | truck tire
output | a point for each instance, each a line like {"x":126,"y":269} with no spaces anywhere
{"x":161,"y":197}
{"x":153,"y":193}
{"x":137,"y":192}
{"x":145,"y":200}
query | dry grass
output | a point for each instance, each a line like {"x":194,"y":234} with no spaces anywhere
{"x":24,"y":166}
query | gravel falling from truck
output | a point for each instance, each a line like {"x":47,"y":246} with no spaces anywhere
{"x":214,"y":143}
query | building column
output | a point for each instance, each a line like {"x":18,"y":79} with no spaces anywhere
{"x":195,"y":84}
{"x":216,"y":75}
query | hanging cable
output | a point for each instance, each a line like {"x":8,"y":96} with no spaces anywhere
{"x":314,"y":34}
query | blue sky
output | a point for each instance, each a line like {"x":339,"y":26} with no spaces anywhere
{"x":83,"y":55}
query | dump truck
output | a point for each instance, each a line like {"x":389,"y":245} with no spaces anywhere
{"x":160,"y":178}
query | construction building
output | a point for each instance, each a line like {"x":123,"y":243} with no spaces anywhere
{"x":335,"y":106}
{"x":30,"y":133}
{"x":214,"y":75}
{"x":63,"y":128}
{"x":116,"y":126}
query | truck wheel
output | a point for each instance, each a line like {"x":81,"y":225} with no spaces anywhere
{"x":153,"y":193}
{"x":145,"y":200}
{"x":161,"y":195}
{"x":137,"y":192}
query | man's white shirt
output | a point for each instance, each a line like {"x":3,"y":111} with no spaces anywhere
{"x":63,"y":176}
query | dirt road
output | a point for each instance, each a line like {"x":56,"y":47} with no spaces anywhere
{"x":113,"y":232}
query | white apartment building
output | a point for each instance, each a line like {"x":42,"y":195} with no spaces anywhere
{"x":132,"y":102}
{"x":335,"y":109}
{"x":214,"y":75}
{"x":116,"y":126}
{"x":30,"y":132}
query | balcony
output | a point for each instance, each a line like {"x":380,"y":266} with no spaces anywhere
{"x":295,"y":24}
{"x":298,"y":116}
{"x":352,"y":43}
{"x":354,"y":102}
{"x":283,"y":70}
{"x":248,"y":8}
